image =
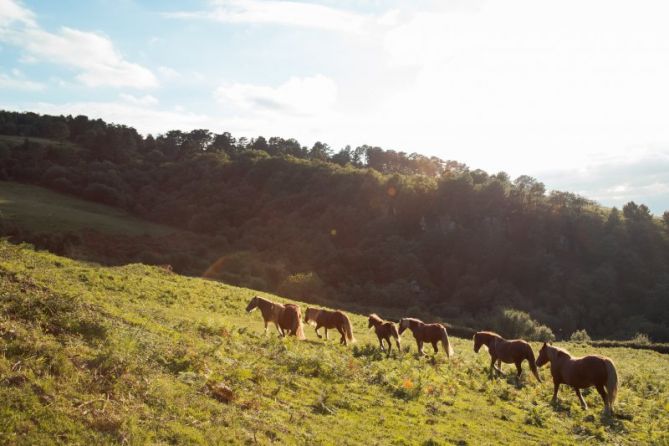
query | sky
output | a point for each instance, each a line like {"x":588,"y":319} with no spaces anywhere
{"x":574,"y":93}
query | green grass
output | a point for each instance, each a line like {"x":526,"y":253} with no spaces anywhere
{"x":95,"y":355}
{"x":39,"y":209}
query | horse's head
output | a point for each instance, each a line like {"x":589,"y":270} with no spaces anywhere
{"x":478,"y":342}
{"x":373,"y":320}
{"x":404,"y":324}
{"x":310,"y":315}
{"x":253,"y":304}
{"x":543,"y":355}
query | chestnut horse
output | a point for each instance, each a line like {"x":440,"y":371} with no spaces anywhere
{"x":330,"y":319}
{"x":507,"y":351}
{"x":432,"y":333}
{"x":580,"y":373}
{"x":287,"y":318}
{"x":384,"y":330}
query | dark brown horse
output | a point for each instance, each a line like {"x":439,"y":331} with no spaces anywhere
{"x":330,"y":319}
{"x":384,"y":330}
{"x":508,"y":351}
{"x":432,"y":333}
{"x":580,"y":373}
{"x":287,"y":318}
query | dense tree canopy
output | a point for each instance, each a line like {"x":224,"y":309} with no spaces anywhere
{"x":367,"y":226}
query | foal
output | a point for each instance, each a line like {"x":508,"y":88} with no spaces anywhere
{"x":432,"y":333}
{"x":384,"y":330}
{"x":508,"y":351}
{"x":580,"y":373}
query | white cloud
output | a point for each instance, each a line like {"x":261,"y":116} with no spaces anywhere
{"x":94,"y":56}
{"x":288,"y":13}
{"x":640,"y":175}
{"x":12,"y":11}
{"x":168,"y":73}
{"x":146,"y":100}
{"x":15,"y":80}
{"x":306,"y":96}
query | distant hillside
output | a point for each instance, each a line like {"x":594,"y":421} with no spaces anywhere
{"x":39,"y":209}
{"x":365,"y":226}
{"x":87,"y":230}
{"x":136,"y":355}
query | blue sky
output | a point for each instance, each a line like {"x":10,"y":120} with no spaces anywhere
{"x":572,"y":92}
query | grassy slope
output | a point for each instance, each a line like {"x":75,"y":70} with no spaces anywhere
{"x":109,"y":355}
{"x":39,"y":209}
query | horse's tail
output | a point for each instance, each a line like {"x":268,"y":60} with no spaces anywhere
{"x":298,"y":328}
{"x":348,"y":330}
{"x":611,"y":382}
{"x":533,"y":363}
{"x":446,"y":343}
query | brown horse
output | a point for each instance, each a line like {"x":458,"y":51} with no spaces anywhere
{"x":580,"y":373}
{"x":384,"y":330}
{"x":432,"y":333}
{"x":508,"y":351}
{"x":330,"y":319}
{"x":287,"y":318}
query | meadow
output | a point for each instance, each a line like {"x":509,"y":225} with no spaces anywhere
{"x":38,"y":209}
{"x":138,"y":355}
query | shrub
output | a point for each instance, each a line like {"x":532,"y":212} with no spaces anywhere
{"x":512,"y":323}
{"x":641,"y":338}
{"x":580,"y":336}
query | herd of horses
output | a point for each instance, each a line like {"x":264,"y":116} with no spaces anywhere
{"x":579,"y":373}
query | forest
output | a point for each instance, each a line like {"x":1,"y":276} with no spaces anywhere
{"x":359,"y":227}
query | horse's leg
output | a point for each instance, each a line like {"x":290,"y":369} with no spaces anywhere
{"x":343,"y":335}
{"x":492,"y":366}
{"x":265,"y":327}
{"x":519,"y":368}
{"x":556,"y":387}
{"x":434,"y":346}
{"x":317,"y":333}
{"x":326,"y":333}
{"x":390,"y":346}
{"x":499,"y":366}
{"x":605,"y":397}
{"x":580,"y":397}
{"x":383,"y":349}
{"x":279,"y":329}
{"x":397,"y":341}
{"x":498,"y":370}
{"x":420,"y":347}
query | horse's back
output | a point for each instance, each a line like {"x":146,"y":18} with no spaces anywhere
{"x":511,"y":350}
{"x":433,"y":332}
{"x":586,"y":371}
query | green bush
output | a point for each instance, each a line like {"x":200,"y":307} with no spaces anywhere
{"x":512,"y":323}
{"x":580,"y":336}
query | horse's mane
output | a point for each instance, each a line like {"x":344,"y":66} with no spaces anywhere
{"x":412,"y":319}
{"x":561,"y":351}
{"x":489,"y":333}
{"x":376,"y":317}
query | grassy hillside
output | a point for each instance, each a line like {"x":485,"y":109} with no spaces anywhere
{"x":134,"y":354}
{"x":39,"y":209}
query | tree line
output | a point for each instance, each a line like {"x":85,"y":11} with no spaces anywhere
{"x":366,"y":226}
